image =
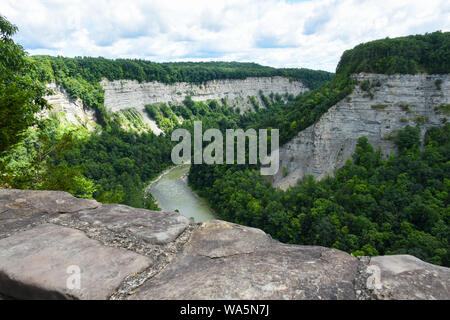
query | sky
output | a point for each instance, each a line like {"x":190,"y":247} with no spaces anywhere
{"x":281,"y":33}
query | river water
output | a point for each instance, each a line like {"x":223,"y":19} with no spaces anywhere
{"x":172,"y":192}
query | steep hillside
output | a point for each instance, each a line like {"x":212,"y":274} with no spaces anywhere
{"x":245,"y":94}
{"x":106,"y":85}
{"x":390,"y":83}
{"x":68,"y":110}
{"x":135,"y":254}
{"x":406,"y":55}
{"x":413,"y":54}
{"x":378,"y":107}
{"x":125,"y":94}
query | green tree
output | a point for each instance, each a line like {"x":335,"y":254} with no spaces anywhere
{"x":409,"y":138}
{"x":21,"y":97}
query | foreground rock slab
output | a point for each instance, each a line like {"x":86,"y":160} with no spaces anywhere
{"x":24,"y":209}
{"x":127,"y":253}
{"x":404,"y":277}
{"x":228,"y":261}
{"x":39,"y":263}
{"x":153,"y":226}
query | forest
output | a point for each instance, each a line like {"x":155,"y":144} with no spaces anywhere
{"x":95,"y":69}
{"x":371,"y":206}
{"x":405,"y":55}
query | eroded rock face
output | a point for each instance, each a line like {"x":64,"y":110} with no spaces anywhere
{"x":70,"y":111}
{"x":390,"y":105}
{"x":127,"y":253}
{"x":121,"y":94}
{"x":124,"y":94}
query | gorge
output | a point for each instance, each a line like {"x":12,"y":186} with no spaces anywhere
{"x":358,"y":209}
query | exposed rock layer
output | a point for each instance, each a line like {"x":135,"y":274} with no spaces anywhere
{"x":38,"y":264}
{"x":227,"y":261}
{"x":127,"y":253}
{"x":391,"y":103}
{"x":124,"y":94}
{"x":68,"y":110}
{"x":121,"y":94}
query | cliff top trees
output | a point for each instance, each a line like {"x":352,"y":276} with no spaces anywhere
{"x":408,"y":55}
{"x":94,"y":70}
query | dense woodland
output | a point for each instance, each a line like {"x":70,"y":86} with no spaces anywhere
{"x":95,"y":69}
{"x":408,"y":55}
{"x":371,"y":206}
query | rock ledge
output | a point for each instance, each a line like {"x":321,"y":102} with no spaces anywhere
{"x":55,"y":246}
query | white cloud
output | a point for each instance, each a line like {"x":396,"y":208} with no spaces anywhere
{"x":311,"y":34}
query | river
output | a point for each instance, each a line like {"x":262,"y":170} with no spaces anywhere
{"x":172,"y":192}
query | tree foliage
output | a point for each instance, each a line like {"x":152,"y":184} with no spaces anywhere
{"x":21,"y":96}
{"x":412,"y":54}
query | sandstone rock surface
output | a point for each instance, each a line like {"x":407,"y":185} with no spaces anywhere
{"x":391,"y":103}
{"x":22,"y":209}
{"x":228,"y":261}
{"x":405,"y":277}
{"x":38,"y":263}
{"x":152,"y":226}
{"x":127,"y":253}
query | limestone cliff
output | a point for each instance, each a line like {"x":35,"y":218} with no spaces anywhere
{"x":124,"y":253}
{"x":379,"y":106}
{"x":69,"y":110}
{"x":123,"y":94}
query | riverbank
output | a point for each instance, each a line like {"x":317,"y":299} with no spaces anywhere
{"x":165,"y":172}
{"x":172,"y":193}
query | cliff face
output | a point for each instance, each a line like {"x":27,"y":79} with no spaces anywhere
{"x":387,"y":105}
{"x":54,"y":246}
{"x":126,"y":94}
{"x":69,"y":110}
{"x":123,"y":94}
